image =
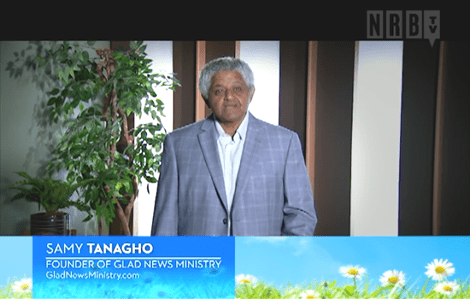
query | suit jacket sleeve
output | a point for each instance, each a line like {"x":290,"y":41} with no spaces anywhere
{"x":299,"y":213}
{"x":165,"y":217}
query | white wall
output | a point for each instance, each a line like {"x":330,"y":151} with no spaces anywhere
{"x":161,"y":52}
{"x":376,"y":138}
{"x":263,"y":58}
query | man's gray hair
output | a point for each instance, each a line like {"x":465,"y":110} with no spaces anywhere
{"x":224,"y":64}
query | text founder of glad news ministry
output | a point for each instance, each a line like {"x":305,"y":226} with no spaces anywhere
{"x":231,"y":173}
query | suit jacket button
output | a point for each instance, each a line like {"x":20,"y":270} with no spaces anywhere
{"x":225,"y":221}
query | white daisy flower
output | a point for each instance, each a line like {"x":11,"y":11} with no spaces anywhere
{"x":23,"y":286}
{"x":245,"y":279}
{"x":447,"y":287}
{"x":392,"y":277}
{"x":439,"y":269}
{"x":352,"y":271}
{"x":310,"y":294}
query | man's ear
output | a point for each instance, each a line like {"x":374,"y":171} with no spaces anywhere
{"x":252,"y":92}
{"x":206,"y":101}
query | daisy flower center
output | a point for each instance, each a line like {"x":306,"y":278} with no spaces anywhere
{"x":24,"y":286}
{"x":353,"y":271}
{"x":393,"y":279}
{"x":245,"y":280}
{"x":440,"y":269}
{"x":447,"y":288}
{"x":310,"y":297}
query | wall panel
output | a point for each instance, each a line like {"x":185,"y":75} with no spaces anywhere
{"x":420,"y":63}
{"x":333,"y":123}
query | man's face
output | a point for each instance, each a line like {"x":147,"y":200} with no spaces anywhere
{"x":229,"y":97}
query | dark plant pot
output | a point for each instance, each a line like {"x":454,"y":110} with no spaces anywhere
{"x":50,"y":224}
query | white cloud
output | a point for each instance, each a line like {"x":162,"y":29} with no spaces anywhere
{"x":302,"y":246}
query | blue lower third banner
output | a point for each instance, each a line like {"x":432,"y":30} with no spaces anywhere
{"x":133,"y":267}
{"x":235,"y":267}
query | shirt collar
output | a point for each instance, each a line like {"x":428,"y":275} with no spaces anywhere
{"x":241,"y":131}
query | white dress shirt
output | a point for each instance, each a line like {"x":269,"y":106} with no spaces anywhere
{"x":230,"y":153}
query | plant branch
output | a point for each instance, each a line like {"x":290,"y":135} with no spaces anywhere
{"x":123,"y":218}
{"x":132,"y":199}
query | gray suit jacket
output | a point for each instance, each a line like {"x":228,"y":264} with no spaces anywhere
{"x":272,"y":196}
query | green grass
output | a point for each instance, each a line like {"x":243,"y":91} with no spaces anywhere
{"x":363,"y":290}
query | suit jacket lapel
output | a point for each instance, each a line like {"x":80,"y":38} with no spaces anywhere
{"x":208,"y":142}
{"x":250,"y":153}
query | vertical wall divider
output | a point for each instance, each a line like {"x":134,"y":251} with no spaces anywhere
{"x":237,"y":49}
{"x":311,"y":110}
{"x":200,"y":110}
{"x":439,"y":144}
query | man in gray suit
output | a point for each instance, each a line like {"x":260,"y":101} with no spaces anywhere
{"x":231,"y":173}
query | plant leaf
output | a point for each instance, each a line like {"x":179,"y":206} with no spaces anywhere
{"x":350,"y":290}
{"x":54,"y":91}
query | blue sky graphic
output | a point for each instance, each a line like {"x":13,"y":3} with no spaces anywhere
{"x":16,"y":259}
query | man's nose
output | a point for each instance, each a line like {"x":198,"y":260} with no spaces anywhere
{"x":228,"y":94}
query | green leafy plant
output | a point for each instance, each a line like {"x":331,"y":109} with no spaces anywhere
{"x":52,"y":195}
{"x":96,"y":99}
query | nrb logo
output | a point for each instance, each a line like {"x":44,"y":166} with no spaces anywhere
{"x":416,"y":24}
